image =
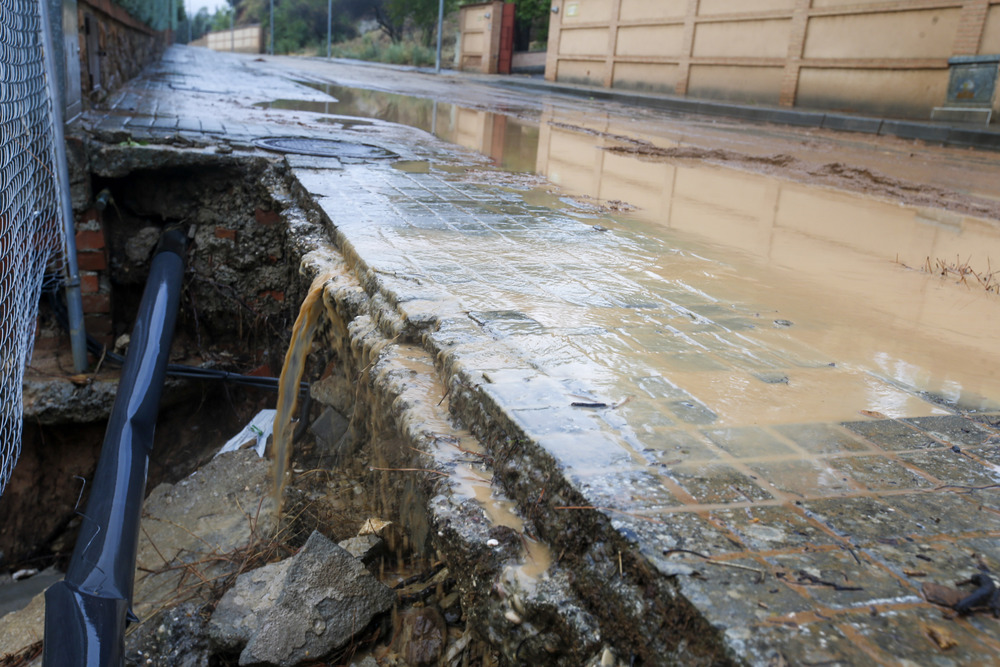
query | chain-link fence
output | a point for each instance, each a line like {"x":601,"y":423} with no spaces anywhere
{"x":31,"y":230}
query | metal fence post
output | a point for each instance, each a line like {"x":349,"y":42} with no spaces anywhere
{"x":74,"y":301}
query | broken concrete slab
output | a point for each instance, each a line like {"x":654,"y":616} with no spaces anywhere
{"x":300,"y":609}
{"x":224,"y":508}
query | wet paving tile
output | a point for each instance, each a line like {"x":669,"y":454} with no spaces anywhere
{"x":666,"y":537}
{"x":670,"y":447}
{"x":988,"y":420}
{"x":528,"y":391}
{"x":892,"y":435}
{"x":921,"y":637}
{"x":952,"y":468}
{"x":646,"y":417}
{"x":684,"y":362}
{"x":787,"y":642}
{"x":804,"y":478}
{"x":988,"y":498}
{"x":878,"y":473}
{"x":657,"y":387}
{"x":939,"y":562}
{"x":945,"y":513}
{"x":863,"y":519}
{"x":692,"y":411}
{"x":741,"y":591}
{"x":628,"y":491}
{"x":589,"y":450}
{"x":773,"y":528}
{"x":841,"y":580}
{"x":748,"y":442}
{"x":716,"y":483}
{"x":821,"y":438}
{"x":554,"y":421}
{"x":953,"y":430}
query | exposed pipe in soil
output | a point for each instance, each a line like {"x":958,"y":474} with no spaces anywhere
{"x":86,"y":613}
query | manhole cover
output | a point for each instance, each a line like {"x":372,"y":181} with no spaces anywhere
{"x":344,"y":150}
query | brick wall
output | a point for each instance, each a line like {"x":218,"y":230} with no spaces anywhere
{"x":114,"y":47}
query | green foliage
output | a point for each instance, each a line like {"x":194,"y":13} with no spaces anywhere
{"x":154,"y":13}
{"x":383,"y":50}
{"x":302,"y":24}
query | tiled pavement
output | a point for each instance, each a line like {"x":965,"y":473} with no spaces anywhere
{"x":814,"y":536}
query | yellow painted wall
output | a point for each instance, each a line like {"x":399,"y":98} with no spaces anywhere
{"x":581,"y":71}
{"x":639,"y":10}
{"x":584,"y":42}
{"x":749,"y":39}
{"x":586,"y":11}
{"x":756,"y":85}
{"x":885,"y":92}
{"x":876,"y":56}
{"x":714,"y":7}
{"x":657,"y":77}
{"x":647,"y":40}
{"x":915,"y":34}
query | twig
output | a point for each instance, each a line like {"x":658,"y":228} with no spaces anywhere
{"x":436,"y":472}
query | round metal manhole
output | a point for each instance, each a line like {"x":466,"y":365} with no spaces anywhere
{"x":344,"y":150}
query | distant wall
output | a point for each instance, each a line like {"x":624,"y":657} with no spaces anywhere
{"x":877,"y":56}
{"x":246,"y":39}
{"x":480,"y":37}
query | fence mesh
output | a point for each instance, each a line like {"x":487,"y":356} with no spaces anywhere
{"x":31,"y":235}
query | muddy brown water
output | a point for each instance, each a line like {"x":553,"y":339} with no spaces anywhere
{"x":900,"y":291}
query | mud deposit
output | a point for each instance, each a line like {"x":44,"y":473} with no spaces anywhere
{"x":832,"y":174}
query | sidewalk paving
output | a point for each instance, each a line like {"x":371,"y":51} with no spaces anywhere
{"x":809,"y":540}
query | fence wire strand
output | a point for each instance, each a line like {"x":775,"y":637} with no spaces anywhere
{"x":31,"y":233}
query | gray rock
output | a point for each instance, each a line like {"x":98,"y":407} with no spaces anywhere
{"x":330,"y":429}
{"x":365,"y":548}
{"x":335,"y":391}
{"x":241,"y":610}
{"x":140,"y":246}
{"x":313,"y":605}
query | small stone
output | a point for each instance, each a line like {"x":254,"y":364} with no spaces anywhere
{"x":421,"y":636}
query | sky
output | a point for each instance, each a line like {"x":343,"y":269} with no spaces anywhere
{"x":192,"y":6}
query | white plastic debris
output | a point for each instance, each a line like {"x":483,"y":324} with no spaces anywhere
{"x":259,"y":429}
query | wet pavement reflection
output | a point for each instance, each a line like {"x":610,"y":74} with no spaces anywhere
{"x":858,"y":277}
{"x":745,"y":373}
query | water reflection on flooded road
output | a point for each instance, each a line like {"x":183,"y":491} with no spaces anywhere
{"x":847,"y":271}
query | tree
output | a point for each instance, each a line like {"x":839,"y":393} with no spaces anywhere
{"x":391,"y":17}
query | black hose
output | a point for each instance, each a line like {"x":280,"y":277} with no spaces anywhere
{"x":86,"y":612}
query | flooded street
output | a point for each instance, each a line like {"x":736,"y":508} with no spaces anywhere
{"x":652,"y":388}
{"x":900,"y":297}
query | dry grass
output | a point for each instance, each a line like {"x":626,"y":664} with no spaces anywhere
{"x":962,"y":272}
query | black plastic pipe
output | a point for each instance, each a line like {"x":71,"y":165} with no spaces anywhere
{"x":86,"y":613}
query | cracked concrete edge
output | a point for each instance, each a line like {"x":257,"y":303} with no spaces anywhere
{"x":548,"y":625}
{"x":637,"y":609}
